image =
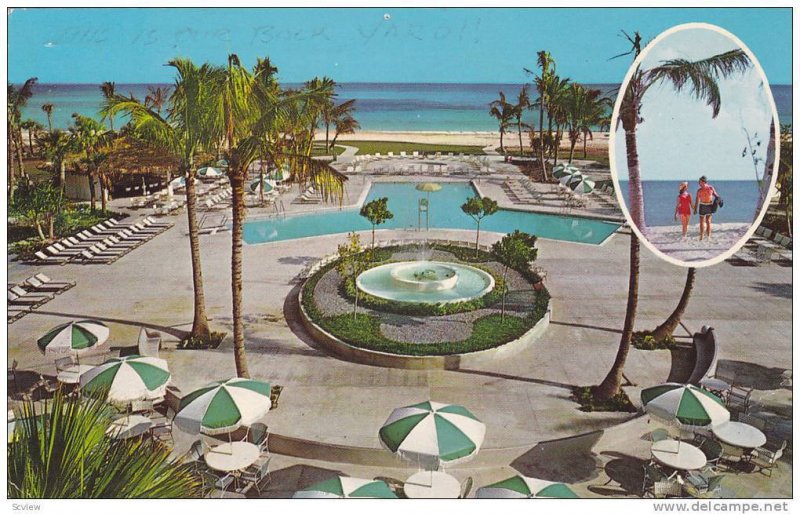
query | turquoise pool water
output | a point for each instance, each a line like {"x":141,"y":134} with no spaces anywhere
{"x":445,"y":212}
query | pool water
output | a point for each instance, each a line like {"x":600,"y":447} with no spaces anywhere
{"x":444,"y":213}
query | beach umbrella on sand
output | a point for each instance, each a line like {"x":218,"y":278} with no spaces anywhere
{"x":581,"y":185}
{"x":433,"y":434}
{"x":525,"y":487}
{"x":347,"y":487}
{"x":128,"y":379}
{"x":685,"y":403}
{"x":73,"y":338}
{"x":222,"y":407}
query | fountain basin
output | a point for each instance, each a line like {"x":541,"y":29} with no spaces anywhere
{"x":425,"y":282}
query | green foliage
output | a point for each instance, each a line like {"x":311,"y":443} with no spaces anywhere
{"x":618,"y":403}
{"x":377,"y":211}
{"x":39,"y":205}
{"x":644,"y":340}
{"x":384,"y":147}
{"x":352,"y":261}
{"x":478,"y":208}
{"x":516,"y":250}
{"x":196,"y":343}
{"x":68,"y":455}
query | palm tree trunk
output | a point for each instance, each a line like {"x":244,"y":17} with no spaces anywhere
{"x":200,"y":329}
{"x":327,"y":133}
{"x":519,"y":131}
{"x":19,"y":144}
{"x":30,"y":141}
{"x":584,"y":145}
{"x":91,"y":191}
{"x":610,"y":386}
{"x":635,"y":196}
{"x":237,"y":184}
{"x":12,"y":176}
{"x":49,"y":123}
{"x":572,"y":144}
{"x":556,"y":144}
{"x":541,"y":137}
{"x":666,"y":329}
{"x":62,"y":175}
{"x":502,"y":150}
{"x":103,"y":192}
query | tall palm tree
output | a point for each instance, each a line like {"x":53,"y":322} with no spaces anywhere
{"x":341,"y":118}
{"x":576,"y":109}
{"x":244,"y":110}
{"x":183,"y":133}
{"x":503,"y":112}
{"x":699,"y":77}
{"x":522,"y":105}
{"x":344,"y":124}
{"x":17,"y":99}
{"x":156,"y":98}
{"x":48,"y":110}
{"x":90,"y":138}
{"x":557,"y":92}
{"x":33,"y":128}
{"x":65,"y":453}
{"x":109,"y":89}
{"x":666,"y":329}
{"x":547,"y":65}
{"x":56,"y":147}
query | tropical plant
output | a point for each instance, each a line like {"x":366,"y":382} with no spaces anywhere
{"x":665,"y":330}
{"x":516,"y":250}
{"x":341,"y":117}
{"x":503,"y":112}
{"x":156,"y":98}
{"x":523,"y":104}
{"x":90,"y":139}
{"x":547,"y":65}
{"x":784,"y":180}
{"x":376,"y":212}
{"x":65,"y":453}
{"x":557,"y":91}
{"x":39,"y":204}
{"x":351,"y":263}
{"x":182,"y":133}
{"x":48,"y":110}
{"x":245,"y":110}
{"x":17,"y":99}
{"x":56,"y":146}
{"x":478,"y":208}
{"x":345,"y":124}
{"x":109,"y":91}
{"x":33,"y":128}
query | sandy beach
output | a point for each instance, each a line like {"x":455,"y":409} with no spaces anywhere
{"x":599,"y":140}
{"x":668,"y":240}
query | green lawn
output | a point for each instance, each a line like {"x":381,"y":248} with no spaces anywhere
{"x":384,"y":147}
{"x":319,"y":149}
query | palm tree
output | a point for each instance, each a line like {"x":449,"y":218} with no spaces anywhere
{"x":65,"y":453}
{"x":598,"y":114}
{"x":33,"y":128}
{"x":109,"y":90}
{"x":56,"y":146}
{"x":341,"y":118}
{"x":557,"y":92}
{"x":48,"y":110}
{"x":522,"y":105}
{"x":576,"y":110}
{"x":344,"y":124}
{"x":156,"y":98}
{"x":90,"y":138}
{"x":245,"y":109}
{"x":700,"y":77}
{"x":547,"y":65}
{"x":666,"y":329}
{"x":503,"y":111}
{"x":181,"y":134}
{"x":17,"y":99}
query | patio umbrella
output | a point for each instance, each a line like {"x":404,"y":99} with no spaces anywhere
{"x":222,"y":163}
{"x":347,"y":487}
{"x":581,"y":185}
{"x":433,"y":434}
{"x":566,"y":178}
{"x":525,"y":487}
{"x":222,"y":407}
{"x":128,"y":379}
{"x":209,"y":172}
{"x":75,"y":337}
{"x":256,"y":185}
{"x":685,"y":403}
{"x":561,"y":170}
{"x":429,"y":187}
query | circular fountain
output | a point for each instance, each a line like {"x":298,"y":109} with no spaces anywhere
{"x":425,"y":282}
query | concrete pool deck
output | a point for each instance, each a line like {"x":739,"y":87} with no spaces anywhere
{"x":523,"y":400}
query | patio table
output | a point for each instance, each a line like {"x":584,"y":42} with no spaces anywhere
{"x":739,"y":434}
{"x":235,"y":456}
{"x":715,"y":384}
{"x":129,"y":426}
{"x":678,"y":455}
{"x":72,"y":374}
{"x":432,"y":484}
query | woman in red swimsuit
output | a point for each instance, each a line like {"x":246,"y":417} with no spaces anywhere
{"x":683,"y":207}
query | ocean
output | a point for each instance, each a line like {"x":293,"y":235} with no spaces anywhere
{"x":379,"y":106}
{"x":739,"y":198}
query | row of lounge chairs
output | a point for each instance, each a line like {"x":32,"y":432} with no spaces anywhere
{"x":221,"y":200}
{"x":522,"y":191}
{"x":103,"y":243}
{"x":764,"y":247}
{"x":310,"y":195}
{"x":31,"y":293}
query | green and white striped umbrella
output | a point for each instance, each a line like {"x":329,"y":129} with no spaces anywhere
{"x":686,"y":403}
{"x":73,"y":338}
{"x":209,"y":172}
{"x":561,"y":170}
{"x":525,"y":487}
{"x":433,"y":434}
{"x":224,"y":406}
{"x":128,"y":379}
{"x":346,"y":487}
{"x":581,"y":185}
{"x":565,"y":179}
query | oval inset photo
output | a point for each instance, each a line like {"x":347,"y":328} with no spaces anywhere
{"x":695,"y":146}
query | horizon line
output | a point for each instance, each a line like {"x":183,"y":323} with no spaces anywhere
{"x":342,"y":82}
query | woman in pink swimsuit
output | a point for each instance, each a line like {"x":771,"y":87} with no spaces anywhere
{"x":683,"y":207}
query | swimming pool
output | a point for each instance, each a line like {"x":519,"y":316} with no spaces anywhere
{"x":445,"y":213}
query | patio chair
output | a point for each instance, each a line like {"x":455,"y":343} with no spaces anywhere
{"x":42,"y":282}
{"x":275,"y":395}
{"x":659,"y":434}
{"x":764,"y":459}
{"x":733,"y":455}
{"x":32,"y":302}
{"x":652,"y":475}
{"x":43,"y":258}
{"x":466,"y":487}
{"x":63,"y":363}
{"x":18,"y":290}
{"x":256,"y":473}
{"x":87,"y":257}
{"x":220,"y":484}
{"x":258,"y":434}
{"x":149,"y":342}
{"x":738,"y":398}
{"x":667,"y":489}
{"x":145,"y":406}
{"x":162,"y":431}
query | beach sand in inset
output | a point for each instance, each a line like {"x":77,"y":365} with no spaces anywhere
{"x":668,"y":240}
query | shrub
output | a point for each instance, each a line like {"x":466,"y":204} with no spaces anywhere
{"x":645,"y":341}
{"x":585,"y":397}
{"x":194,"y":343}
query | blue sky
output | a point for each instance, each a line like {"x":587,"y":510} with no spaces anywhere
{"x":678,"y":139}
{"x":360,"y":45}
